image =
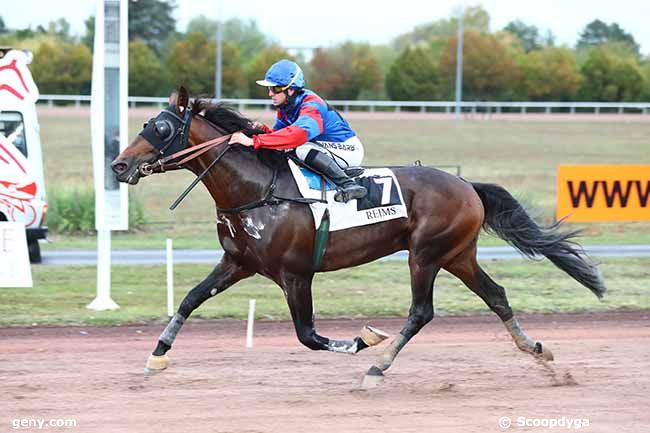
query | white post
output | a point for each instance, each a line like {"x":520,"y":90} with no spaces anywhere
{"x":170,"y":279}
{"x":103,"y":300}
{"x":249,"y":326}
{"x":108,"y":128}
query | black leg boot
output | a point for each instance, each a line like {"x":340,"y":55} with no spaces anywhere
{"x":324,"y":163}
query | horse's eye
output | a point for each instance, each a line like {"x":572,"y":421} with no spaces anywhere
{"x":163,"y":129}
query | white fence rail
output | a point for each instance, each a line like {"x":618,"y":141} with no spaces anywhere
{"x":423,"y":106}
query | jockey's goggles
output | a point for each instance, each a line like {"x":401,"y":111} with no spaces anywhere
{"x":277,"y":89}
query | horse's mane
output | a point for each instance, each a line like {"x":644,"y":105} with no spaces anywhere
{"x":225,"y":117}
{"x":231,"y":120}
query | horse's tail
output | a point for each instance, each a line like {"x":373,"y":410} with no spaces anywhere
{"x":505,"y":217}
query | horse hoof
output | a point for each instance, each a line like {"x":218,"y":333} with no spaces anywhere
{"x":372,"y":336}
{"x":543,"y":352}
{"x":156,"y":364}
{"x":373,"y":378}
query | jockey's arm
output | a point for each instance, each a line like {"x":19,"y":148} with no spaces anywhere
{"x":308,"y":125}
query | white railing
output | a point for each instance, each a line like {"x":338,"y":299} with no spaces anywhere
{"x":423,"y":106}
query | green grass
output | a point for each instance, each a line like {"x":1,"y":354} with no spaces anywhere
{"x":203,"y":236}
{"x":520,"y":155}
{"x":72,"y":210}
{"x":60,"y":294}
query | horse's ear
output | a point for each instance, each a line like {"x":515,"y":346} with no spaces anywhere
{"x":173,"y":97}
{"x":183,"y":100}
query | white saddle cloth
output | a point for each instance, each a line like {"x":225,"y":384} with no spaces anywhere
{"x":384,"y":201}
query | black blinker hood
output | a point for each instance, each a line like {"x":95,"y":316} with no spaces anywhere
{"x":168,"y":132}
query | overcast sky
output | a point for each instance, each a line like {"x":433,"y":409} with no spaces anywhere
{"x":310,"y":23}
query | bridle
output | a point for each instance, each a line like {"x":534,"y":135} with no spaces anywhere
{"x":169,"y":133}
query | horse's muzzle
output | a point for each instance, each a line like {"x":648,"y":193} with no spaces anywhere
{"x":126,"y":171}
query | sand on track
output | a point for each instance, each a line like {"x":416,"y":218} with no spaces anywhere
{"x":458,"y":374}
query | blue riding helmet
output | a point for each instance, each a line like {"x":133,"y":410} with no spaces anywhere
{"x":284,"y":73}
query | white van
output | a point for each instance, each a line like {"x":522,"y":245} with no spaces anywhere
{"x":22,"y":187}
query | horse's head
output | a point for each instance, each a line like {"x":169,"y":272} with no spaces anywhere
{"x":163,"y":135}
{"x":167,"y":137}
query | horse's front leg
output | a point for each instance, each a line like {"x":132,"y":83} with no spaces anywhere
{"x":224,"y":275}
{"x":297,"y":290}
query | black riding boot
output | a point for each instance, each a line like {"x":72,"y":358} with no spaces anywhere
{"x":324,"y":163}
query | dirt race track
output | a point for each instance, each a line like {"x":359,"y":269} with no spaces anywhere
{"x":459,"y":374}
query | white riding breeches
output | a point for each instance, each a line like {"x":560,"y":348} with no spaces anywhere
{"x":346,"y":154}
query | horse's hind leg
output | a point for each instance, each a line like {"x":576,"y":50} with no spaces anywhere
{"x":420,"y":313}
{"x":470,"y":272}
{"x":224,"y":275}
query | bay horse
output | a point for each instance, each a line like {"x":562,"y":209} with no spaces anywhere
{"x":253,"y":189}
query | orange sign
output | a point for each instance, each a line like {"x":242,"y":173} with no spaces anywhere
{"x":603,"y":192}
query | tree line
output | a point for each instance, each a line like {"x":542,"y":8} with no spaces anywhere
{"x":515,"y":63}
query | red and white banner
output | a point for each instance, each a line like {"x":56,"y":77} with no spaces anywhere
{"x":15,"y":78}
{"x":18,"y":189}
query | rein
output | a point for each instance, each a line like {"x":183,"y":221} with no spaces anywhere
{"x":195,"y":151}
{"x":188,"y":154}
{"x":160,"y":166}
{"x":204,"y":172}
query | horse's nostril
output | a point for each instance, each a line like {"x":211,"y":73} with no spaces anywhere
{"x":119,"y":167}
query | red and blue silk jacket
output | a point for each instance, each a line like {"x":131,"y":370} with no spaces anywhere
{"x":307,"y":118}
